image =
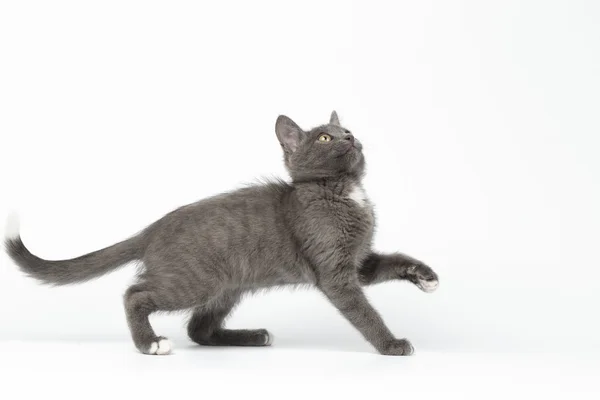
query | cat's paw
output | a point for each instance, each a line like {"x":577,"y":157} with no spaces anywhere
{"x":162,"y":346}
{"x":398,"y":347}
{"x":424,"y":277}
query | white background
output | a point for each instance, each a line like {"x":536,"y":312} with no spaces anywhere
{"x":481,"y":132}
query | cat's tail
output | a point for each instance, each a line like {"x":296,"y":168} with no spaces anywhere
{"x":76,"y":270}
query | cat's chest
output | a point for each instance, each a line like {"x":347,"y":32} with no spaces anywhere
{"x":357,"y":194}
{"x":353,"y":212}
{"x":335,"y":225}
{"x":356,"y":222}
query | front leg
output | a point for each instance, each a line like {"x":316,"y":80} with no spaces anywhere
{"x":378,"y":268}
{"x":349,"y":299}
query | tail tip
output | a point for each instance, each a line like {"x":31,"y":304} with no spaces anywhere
{"x":12,"y":227}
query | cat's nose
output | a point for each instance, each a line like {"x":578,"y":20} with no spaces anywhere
{"x":349,"y":137}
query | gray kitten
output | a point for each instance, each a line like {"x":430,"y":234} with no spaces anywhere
{"x":205,"y":256}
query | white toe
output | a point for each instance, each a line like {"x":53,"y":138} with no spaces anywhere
{"x":153,"y":348}
{"x":164,"y":347}
{"x":269,"y":339}
{"x":161,"y":347}
{"x":429,"y":286}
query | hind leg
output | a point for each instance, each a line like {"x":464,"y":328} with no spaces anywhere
{"x":143,"y":299}
{"x":206,"y":326}
{"x":139,"y":304}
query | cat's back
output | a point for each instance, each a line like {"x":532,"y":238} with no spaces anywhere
{"x":236,"y":218}
{"x":249,"y":200}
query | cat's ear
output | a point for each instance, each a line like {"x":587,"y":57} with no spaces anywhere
{"x":334,"y":120}
{"x":288,"y":133}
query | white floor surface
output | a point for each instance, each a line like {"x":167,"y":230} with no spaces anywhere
{"x":94,"y":369}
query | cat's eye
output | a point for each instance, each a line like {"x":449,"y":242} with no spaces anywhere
{"x":324,"y":138}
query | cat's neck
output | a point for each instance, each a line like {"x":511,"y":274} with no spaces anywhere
{"x":340,"y":184}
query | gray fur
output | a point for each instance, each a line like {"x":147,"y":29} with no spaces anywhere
{"x":205,"y":256}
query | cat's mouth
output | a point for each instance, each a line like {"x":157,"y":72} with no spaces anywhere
{"x":350,"y":148}
{"x":348,"y":151}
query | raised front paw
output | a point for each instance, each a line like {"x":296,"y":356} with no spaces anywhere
{"x":398,"y":347}
{"x":423,"y":276}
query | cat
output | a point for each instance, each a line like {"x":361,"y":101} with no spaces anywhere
{"x":204,"y":256}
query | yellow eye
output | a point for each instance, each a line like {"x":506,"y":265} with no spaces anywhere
{"x":324,"y":138}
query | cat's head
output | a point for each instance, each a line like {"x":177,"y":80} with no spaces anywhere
{"x":325,"y":151}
